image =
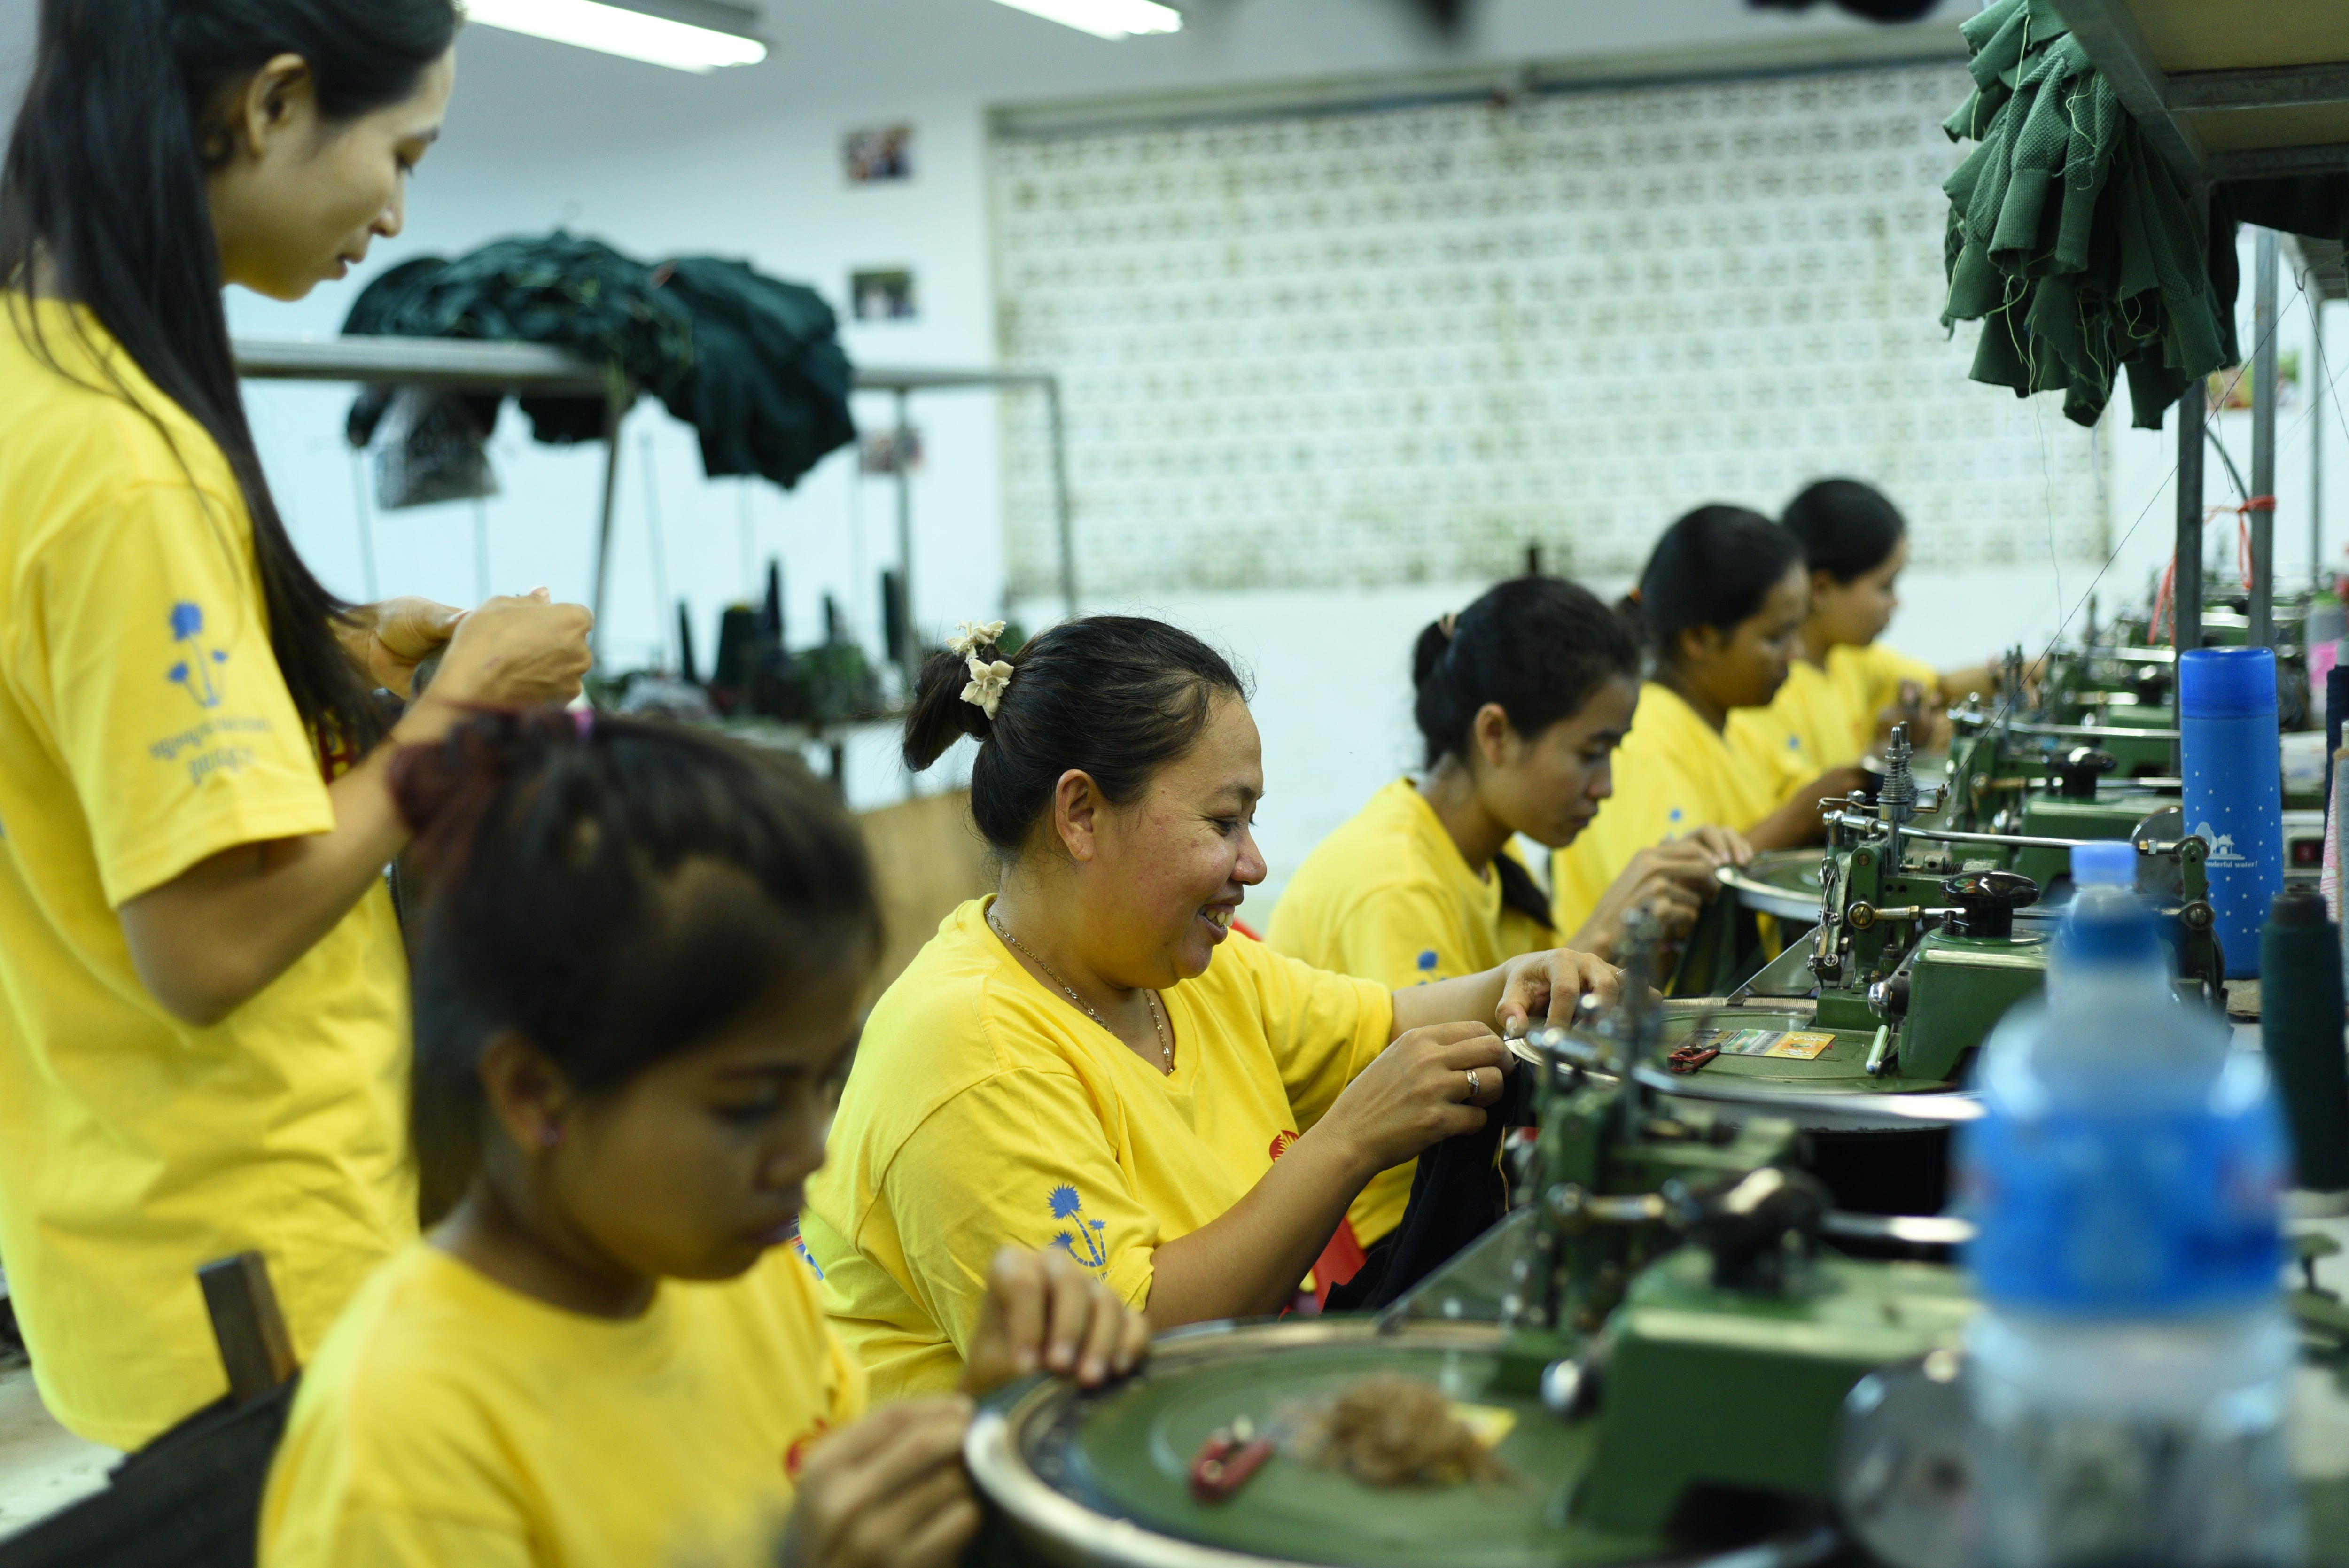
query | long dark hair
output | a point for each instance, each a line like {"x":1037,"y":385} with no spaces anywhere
{"x":614,"y":892}
{"x":1538,"y":647}
{"x":1713,"y":567}
{"x":104,"y":183}
{"x":1847,"y":529}
{"x":1116,"y":696}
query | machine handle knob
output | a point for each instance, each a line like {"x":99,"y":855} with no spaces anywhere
{"x":2080,"y":768}
{"x":1987,"y":900}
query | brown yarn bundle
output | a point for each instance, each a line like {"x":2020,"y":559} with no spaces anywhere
{"x":1390,"y":1431}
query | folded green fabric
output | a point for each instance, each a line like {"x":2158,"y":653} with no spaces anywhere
{"x":2072,"y":241}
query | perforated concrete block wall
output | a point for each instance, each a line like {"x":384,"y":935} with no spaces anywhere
{"x":1396,"y":344}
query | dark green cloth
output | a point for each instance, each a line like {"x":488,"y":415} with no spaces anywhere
{"x":768,"y":386}
{"x":754,"y":363}
{"x":2069,"y":238}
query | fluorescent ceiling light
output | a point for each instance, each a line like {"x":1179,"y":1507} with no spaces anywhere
{"x":660,"y":40}
{"x":1104,"y":18}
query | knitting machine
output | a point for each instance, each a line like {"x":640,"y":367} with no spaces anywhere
{"x":1648,"y":1400}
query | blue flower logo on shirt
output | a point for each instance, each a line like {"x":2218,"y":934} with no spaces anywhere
{"x":1082,"y":1241}
{"x":1427,"y":965}
{"x":1675,"y":815}
{"x":195,"y":671}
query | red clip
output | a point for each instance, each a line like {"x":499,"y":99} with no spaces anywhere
{"x":1224,"y":1464}
{"x":1687,"y":1059}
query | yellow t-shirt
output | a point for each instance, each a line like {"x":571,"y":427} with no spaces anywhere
{"x":144,"y":726}
{"x":985,"y":1110}
{"x":450,"y":1419}
{"x":1389,"y":897}
{"x":1825,"y":718}
{"x":1673,"y":774}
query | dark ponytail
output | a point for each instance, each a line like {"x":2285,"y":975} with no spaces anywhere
{"x":1712,"y":567}
{"x":1538,"y":647}
{"x":1847,"y":528}
{"x":1114,"y":697}
{"x":616,"y":892}
{"x":105,"y":184}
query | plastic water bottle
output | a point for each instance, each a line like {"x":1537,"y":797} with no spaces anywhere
{"x":2233,"y":788}
{"x":2130,"y":1373}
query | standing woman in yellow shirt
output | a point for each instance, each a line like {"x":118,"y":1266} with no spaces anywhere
{"x":203,"y":1009}
{"x":1090,"y":1060}
{"x":636,"y":983}
{"x":1522,"y":699}
{"x":1720,"y":606}
{"x":1842,"y":681}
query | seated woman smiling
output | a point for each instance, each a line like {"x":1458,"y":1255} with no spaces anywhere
{"x":1087,"y":1061}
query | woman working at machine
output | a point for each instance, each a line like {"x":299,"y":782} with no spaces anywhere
{"x":1085,"y":1061}
{"x":1521,"y":699}
{"x":1720,"y":602}
{"x":1843,"y":687}
{"x":203,"y":1045}
{"x":637,"y":988}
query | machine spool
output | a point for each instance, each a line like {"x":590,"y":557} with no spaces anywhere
{"x":1100,"y":1480}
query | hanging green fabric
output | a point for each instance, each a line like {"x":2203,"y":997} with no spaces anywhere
{"x":2070,"y":239}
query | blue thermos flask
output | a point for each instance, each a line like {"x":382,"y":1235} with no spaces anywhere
{"x":2234,"y":789}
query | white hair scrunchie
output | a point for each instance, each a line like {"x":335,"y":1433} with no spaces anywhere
{"x":987,"y":683}
{"x":971,"y":635}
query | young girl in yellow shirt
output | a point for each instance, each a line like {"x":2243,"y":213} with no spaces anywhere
{"x":1720,"y":603}
{"x":1844,"y":687}
{"x":635,"y":997}
{"x":1522,"y":700}
{"x":1091,"y":1061}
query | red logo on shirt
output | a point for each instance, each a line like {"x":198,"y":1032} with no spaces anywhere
{"x":1280,"y":1143}
{"x":796,"y":1455}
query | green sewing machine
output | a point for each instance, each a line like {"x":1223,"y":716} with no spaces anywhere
{"x":1920,"y":938}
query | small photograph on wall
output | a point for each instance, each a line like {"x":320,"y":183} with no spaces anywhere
{"x":889,"y":451}
{"x":884,"y":294}
{"x":878,"y":152}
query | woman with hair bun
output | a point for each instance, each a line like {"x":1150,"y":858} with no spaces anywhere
{"x":637,"y":972}
{"x":1842,"y":686}
{"x":203,"y":1045}
{"x":1720,"y":604}
{"x":1088,"y":1060}
{"x":1522,"y":700}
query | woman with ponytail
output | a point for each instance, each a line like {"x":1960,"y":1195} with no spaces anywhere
{"x":1522,"y":699}
{"x":636,"y":982}
{"x":1720,"y":604}
{"x":1090,"y":1060}
{"x":1844,"y":688}
{"x":203,"y":1045}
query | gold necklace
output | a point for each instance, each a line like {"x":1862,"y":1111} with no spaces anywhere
{"x":1158,"y":1020}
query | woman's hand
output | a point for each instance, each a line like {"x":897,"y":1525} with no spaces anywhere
{"x":1673,"y":880}
{"x":1042,"y":1310}
{"x":1801,"y":820}
{"x":1416,"y":1093}
{"x":387,"y":640}
{"x":1544,"y":987}
{"x":516,"y":652}
{"x":886,"y":1493}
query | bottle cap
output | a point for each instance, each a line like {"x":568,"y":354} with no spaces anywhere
{"x":2110,"y":864}
{"x":2226,"y":683}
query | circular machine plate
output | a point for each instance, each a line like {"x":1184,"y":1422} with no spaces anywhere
{"x":1783,"y":883}
{"x":1100,"y":1481}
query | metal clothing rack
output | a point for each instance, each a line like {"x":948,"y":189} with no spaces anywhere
{"x":2246,"y":90}
{"x":537,"y":370}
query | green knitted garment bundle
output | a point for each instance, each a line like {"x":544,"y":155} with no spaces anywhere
{"x":2075,"y":244}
